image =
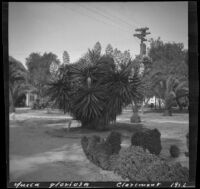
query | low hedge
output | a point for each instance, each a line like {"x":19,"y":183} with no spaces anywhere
{"x":138,"y":164}
{"x":174,"y":151}
{"x":134,"y":163}
{"x":99,"y":150}
{"x":148,"y":139}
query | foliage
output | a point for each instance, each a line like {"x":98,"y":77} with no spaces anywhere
{"x":66,"y":58}
{"x":59,"y":90}
{"x":114,"y":139}
{"x":167,"y":75}
{"x":102,"y":152}
{"x":174,"y":151}
{"x":121,"y":58}
{"x":109,"y":50}
{"x":97,"y":151}
{"x":39,"y":70}
{"x":133,"y":163}
{"x":136,"y":164}
{"x":94,"y":90}
{"x":18,"y":83}
{"x":170,"y":58}
{"x":169,"y":88}
{"x":148,"y":139}
{"x":97,"y":48}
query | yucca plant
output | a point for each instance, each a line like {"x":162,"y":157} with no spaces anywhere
{"x":95,"y":92}
{"x":60,"y":90}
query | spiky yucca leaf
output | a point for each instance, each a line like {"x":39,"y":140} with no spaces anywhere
{"x":123,"y":88}
{"x":60,"y":92}
{"x":89,"y":103}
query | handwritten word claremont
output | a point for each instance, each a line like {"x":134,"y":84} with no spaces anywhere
{"x":132,"y":185}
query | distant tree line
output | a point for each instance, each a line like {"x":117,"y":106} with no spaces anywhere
{"x":164,"y":72}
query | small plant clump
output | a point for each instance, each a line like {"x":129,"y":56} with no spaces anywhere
{"x":174,"y":151}
{"x":99,"y":151}
{"x":134,"y":163}
{"x":138,"y":164}
{"x":114,"y":140}
{"x":149,"y":139}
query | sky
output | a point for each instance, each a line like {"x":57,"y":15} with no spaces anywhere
{"x":75,"y":27}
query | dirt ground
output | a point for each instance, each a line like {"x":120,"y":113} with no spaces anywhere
{"x":42,"y":149}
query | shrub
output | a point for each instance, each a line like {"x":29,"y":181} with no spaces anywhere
{"x":149,"y":139}
{"x":113,"y":162}
{"x":131,"y":160}
{"x":114,"y":140}
{"x":138,"y":164}
{"x":39,"y":104}
{"x":134,"y":163}
{"x":162,"y":171}
{"x":174,"y":151}
{"x":97,"y":151}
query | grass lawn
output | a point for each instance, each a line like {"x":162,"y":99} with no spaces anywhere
{"x":42,"y":149}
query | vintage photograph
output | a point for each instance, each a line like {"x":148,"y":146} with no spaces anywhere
{"x":98,"y":91}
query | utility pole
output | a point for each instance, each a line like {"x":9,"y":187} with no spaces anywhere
{"x":142,"y":33}
{"x":142,"y":36}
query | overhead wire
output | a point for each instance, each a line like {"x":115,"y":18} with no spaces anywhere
{"x":119,"y":18}
{"x":99,"y":20}
{"x":107,"y":17}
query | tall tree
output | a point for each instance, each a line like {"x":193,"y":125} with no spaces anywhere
{"x":121,"y":58}
{"x":39,"y":68}
{"x":169,"y":60}
{"x":17,"y":81}
{"x":170,"y":89}
{"x":66,"y":58}
{"x":109,"y":50}
{"x":97,"y":48}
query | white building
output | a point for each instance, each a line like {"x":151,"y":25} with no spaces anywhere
{"x":30,"y":98}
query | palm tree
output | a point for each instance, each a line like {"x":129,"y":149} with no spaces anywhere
{"x":169,"y":88}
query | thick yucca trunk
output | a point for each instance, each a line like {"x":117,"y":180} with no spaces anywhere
{"x":135,"y":118}
{"x":97,"y":124}
{"x":168,"y":107}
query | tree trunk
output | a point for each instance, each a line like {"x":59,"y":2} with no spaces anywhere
{"x":135,"y":118}
{"x":159,"y":104}
{"x":12,"y":108}
{"x":179,"y":105}
{"x":11,"y":102}
{"x":97,"y":124}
